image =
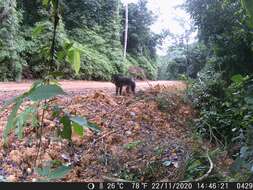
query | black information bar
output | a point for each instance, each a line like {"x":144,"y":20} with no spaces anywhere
{"x":131,"y":186}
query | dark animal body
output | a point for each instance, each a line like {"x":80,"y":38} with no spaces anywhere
{"x":120,"y":81}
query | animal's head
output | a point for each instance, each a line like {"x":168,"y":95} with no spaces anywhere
{"x":115,"y":77}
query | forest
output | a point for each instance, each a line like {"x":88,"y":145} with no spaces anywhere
{"x":94,"y":27}
{"x":182,"y":116}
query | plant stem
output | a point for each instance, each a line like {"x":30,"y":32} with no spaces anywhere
{"x":41,"y":132}
{"x":56,"y":21}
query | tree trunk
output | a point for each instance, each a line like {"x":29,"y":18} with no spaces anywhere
{"x":126,"y":33}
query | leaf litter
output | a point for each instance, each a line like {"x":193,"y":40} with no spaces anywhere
{"x":143,"y":138}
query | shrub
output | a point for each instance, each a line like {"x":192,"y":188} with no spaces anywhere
{"x":225,"y":114}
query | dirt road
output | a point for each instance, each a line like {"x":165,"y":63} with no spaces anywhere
{"x":10,"y":89}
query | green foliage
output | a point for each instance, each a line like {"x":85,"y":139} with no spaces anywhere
{"x":87,"y":12}
{"x":248,"y":5}
{"x":10,"y":60}
{"x":196,"y":166}
{"x":141,"y":41}
{"x":199,"y":164}
{"x":95,"y":65}
{"x":84,"y":123}
{"x":11,"y":123}
{"x":66,"y":133}
{"x":49,"y":173}
{"x":32,"y":12}
{"x":223,"y":29}
{"x":29,"y":115}
{"x":225,"y":115}
{"x":37,"y":48}
{"x":72,"y":123}
{"x":98,"y":34}
{"x":73,"y":57}
{"x":78,"y":129}
{"x":43,"y":92}
{"x":182,"y":60}
{"x":38,"y":30}
{"x":37,"y":93}
{"x":94,"y":28}
{"x":148,"y":65}
{"x":98,"y":61}
{"x":223,"y":90}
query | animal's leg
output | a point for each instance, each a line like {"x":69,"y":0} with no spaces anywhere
{"x":120,"y":90}
{"x":117,"y":90}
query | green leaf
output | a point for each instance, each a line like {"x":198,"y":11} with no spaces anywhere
{"x":22,"y":119}
{"x":79,"y":120}
{"x":249,"y":23}
{"x":68,"y":45}
{"x":55,"y":4}
{"x":249,"y":100}
{"x":35,"y":121}
{"x":60,"y":172}
{"x":93,"y":127}
{"x":248,"y":5}
{"x":237,"y":78}
{"x":67,"y":131}
{"x":43,"y":172}
{"x":49,"y":173}
{"x":56,"y":163}
{"x":36,"y":84}
{"x":61,"y":55}
{"x":11,"y":119}
{"x":195,"y":164}
{"x":83,"y":122}
{"x":46,"y":2}
{"x":56,"y":111}
{"x":45,"y":92}
{"x":78,"y":129}
{"x":38,"y":30}
{"x":73,"y":57}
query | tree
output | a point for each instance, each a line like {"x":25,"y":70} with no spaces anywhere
{"x":10,"y":62}
{"x":95,"y":25}
{"x":223,"y":28}
{"x":87,"y":13}
{"x":139,"y":35}
{"x":32,"y":11}
{"x":126,"y":31}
